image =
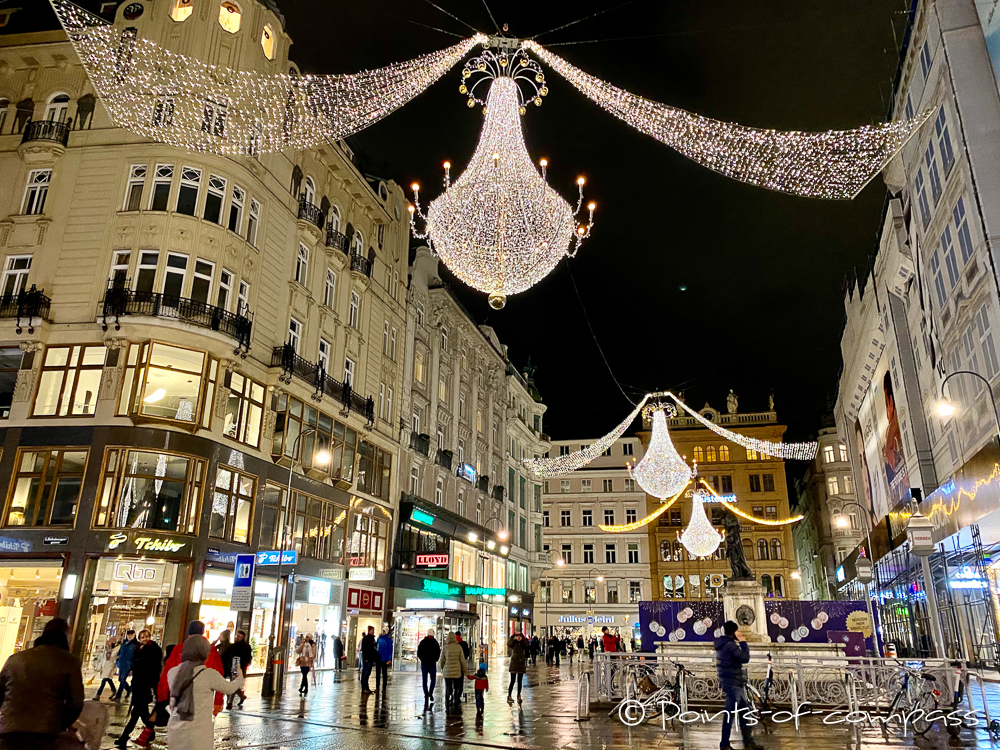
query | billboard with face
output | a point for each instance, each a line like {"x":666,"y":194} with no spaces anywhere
{"x":892,"y":447}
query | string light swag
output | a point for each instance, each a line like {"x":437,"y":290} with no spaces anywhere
{"x":661,"y":472}
{"x":792,"y":451}
{"x":699,"y":538}
{"x":625,"y":527}
{"x":547,"y":468}
{"x":834,"y":164}
{"x":743,"y":514}
{"x":500,"y":227}
{"x":181,"y":101}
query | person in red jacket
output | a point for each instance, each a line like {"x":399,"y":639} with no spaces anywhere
{"x":608,"y":641}
{"x":214,"y":661}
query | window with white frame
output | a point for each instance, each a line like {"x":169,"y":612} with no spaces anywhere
{"x":253,"y":221}
{"x":962,"y":230}
{"x":609,"y":516}
{"x":225,"y":289}
{"x":325,"y":352}
{"x":828,"y":454}
{"x":948,"y":250}
{"x":163,"y":111}
{"x":388,"y":404}
{"x":925,"y":59}
{"x":610,"y":553}
{"x":187,"y":196}
{"x":120,"y":262}
{"x":545,"y":519}
{"x":565,"y":518}
{"x":439,"y":491}
{"x":213,"y":199}
{"x":392,"y":344}
{"x":302,"y":264}
{"x":236,"y":204}
{"x":213,"y":118}
{"x":159,"y":196}
{"x":930,"y":161}
{"x":842,"y":449}
{"x":626,"y":449}
{"x":358,"y":244}
{"x":309,"y":190}
{"x":381,"y":400}
{"x":175,"y":275}
{"x":832,"y":485}
{"x":201,"y":284}
{"x":354,"y":311}
{"x":294,"y":333}
{"x":633,"y":552}
{"x":133,"y":191}
{"x":630,"y":515}
{"x":944,"y":142}
{"x":333,"y":223}
{"x":57,"y":108}
{"x":609,"y":485}
{"x":330,"y":289}
{"x":587,"y":517}
{"x":986,"y":341}
{"x":385,"y":338}
{"x":36,"y":191}
{"x":920,"y":188}
{"x":243,"y":298}
{"x":629,"y":484}
{"x":563,"y":486}
{"x":145,"y":274}
{"x":588,"y":554}
{"x":15,"y":274}
{"x":414,"y":480}
{"x":349,"y":371}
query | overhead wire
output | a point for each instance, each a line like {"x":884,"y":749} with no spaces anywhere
{"x":585,"y":18}
{"x":495,"y":24}
{"x":417,"y":23}
{"x":448,"y":13}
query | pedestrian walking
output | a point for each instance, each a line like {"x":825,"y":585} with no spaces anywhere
{"x":146,"y":666}
{"x":193,"y":685}
{"x":108,"y":669}
{"x":731,"y":653}
{"x":320,"y":653}
{"x":384,"y":646}
{"x":454,"y":669}
{"x":591,"y":645}
{"x":481,"y":686}
{"x":338,"y":652}
{"x":124,"y":663}
{"x":41,"y":691}
{"x":369,"y":658}
{"x":428,"y":653}
{"x":608,"y":644}
{"x":465,"y":650}
{"x":214,"y":661}
{"x":518,"y":646}
{"x":305,"y":659}
{"x":533,"y":649}
{"x":239,"y":649}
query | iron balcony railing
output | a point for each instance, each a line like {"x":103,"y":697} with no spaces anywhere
{"x":309,"y":212}
{"x":498,"y":492}
{"x":420,"y":443}
{"x":47,"y":130}
{"x":335,"y":239}
{"x":444,"y":458}
{"x":291,"y":363}
{"x":483,"y":485}
{"x":120,"y":300}
{"x":26,"y":305}
{"x":361,"y":264}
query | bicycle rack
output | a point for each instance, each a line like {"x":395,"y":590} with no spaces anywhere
{"x":584,"y":678}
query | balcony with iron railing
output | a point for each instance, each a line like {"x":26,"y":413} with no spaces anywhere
{"x":309,"y":212}
{"x":483,"y":484}
{"x":26,"y":305}
{"x":498,"y":492}
{"x":47,"y":130}
{"x":119,"y":301}
{"x":335,"y":239}
{"x":444,"y":458}
{"x":361,"y":264}
{"x":420,"y":443}
{"x":291,"y":363}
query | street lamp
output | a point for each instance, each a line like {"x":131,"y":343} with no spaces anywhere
{"x":946,"y":408}
{"x":559,"y":562}
{"x":489,"y":544}
{"x":842,"y":523}
{"x":322,"y":457}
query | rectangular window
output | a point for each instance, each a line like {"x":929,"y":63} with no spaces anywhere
{"x":587,"y":517}
{"x":588,"y":554}
{"x":545,"y":591}
{"x":585,"y":485}
{"x":612,"y":592}
{"x":214,"y":198}
{"x":133,"y":191}
{"x":609,"y":485}
{"x":930,"y":161}
{"x":162,"y":177}
{"x":630,"y":515}
{"x":565,"y":518}
{"x":150,"y":490}
{"x":349,"y":371}
{"x":944,"y":142}
{"x":10,"y":365}
{"x":727,"y":483}
{"x":939,"y":287}
{"x":236,"y":209}
{"x":225,"y":289}
{"x":634,"y":592}
{"x":771,"y":512}
{"x":69,"y":380}
{"x":232,"y":505}
{"x":325,"y":354}
{"x":921,"y":190}
{"x":418,"y":366}
{"x":545,"y":519}
{"x":768,"y":482}
{"x":629,"y":484}
{"x":120,"y":262}
{"x":244,"y":410}
{"x":633,"y":552}
{"x":187,"y":196}
{"x":567,"y":592}
{"x":46,"y":487}
{"x":755,"y":482}
{"x":15,"y":275}
{"x":213,"y":118}
{"x":176,"y":272}
{"x":163,"y":110}
{"x":962,"y":230}
{"x":354,"y":311}
{"x":610,"y":554}
{"x":374,"y":470}
{"x":564,"y":486}
{"x":201,"y":285}
{"x":302,"y":264}
{"x":253,"y":221}
{"x":392,"y":344}
{"x":36,"y":191}
{"x":842,"y":449}
{"x":330,"y":289}
{"x":986,"y":341}
{"x":925,"y":60}
{"x":163,"y":382}
{"x":828,"y":454}
{"x":243,"y":298}
{"x":948,"y":250}
{"x":609,"y":516}
{"x":145,"y":276}
{"x":567,"y":554}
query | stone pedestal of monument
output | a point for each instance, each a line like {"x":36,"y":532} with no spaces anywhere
{"x":743,"y":603}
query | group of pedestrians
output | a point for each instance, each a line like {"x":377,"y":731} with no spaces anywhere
{"x":376,"y":655}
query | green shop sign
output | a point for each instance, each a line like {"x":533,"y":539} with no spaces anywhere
{"x":420,"y":517}
{"x":480,"y":591}
{"x":441,"y":588}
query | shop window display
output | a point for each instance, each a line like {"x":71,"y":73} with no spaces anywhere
{"x":46,"y":488}
{"x":163,"y":382}
{"x":368,"y":542}
{"x":150,"y":490}
{"x":232,"y":505}
{"x":293,"y":417}
{"x":29,"y":598}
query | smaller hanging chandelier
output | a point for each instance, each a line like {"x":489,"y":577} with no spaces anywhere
{"x":662,"y":472}
{"x":699,"y":538}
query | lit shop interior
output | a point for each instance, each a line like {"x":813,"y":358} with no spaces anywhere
{"x":215,"y":612}
{"x":29,"y":598}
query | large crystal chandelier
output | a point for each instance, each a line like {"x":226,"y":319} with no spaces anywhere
{"x":699,"y":538}
{"x":662,"y":472}
{"x":500,"y":227}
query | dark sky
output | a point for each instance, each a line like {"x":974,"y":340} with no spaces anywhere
{"x":764,"y":272}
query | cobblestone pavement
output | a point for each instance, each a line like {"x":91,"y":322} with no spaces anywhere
{"x":336,"y":715}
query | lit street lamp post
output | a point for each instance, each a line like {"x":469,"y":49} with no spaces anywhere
{"x":864,"y":573}
{"x":947,"y":409}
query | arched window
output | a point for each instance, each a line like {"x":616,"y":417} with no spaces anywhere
{"x":747,"y":549}
{"x":766,"y":582}
{"x":665,"y":555}
{"x":779,"y":586}
{"x":699,"y":454}
{"x":309,"y":191}
{"x":723,"y":452}
{"x":57,"y":108}
{"x":668,"y":585}
{"x":775,"y":549}
{"x":334,"y":221}
{"x":267,"y":42}
{"x":4,"y":108}
{"x":230,"y":16}
{"x":678,"y":551}
{"x":762,"y":549}
{"x":181,"y":9}
{"x":678,"y":587}
{"x":358,"y":246}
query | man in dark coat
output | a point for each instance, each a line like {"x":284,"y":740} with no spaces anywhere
{"x":731,"y":653}
{"x":428,"y":653}
{"x":369,"y":657}
{"x":238,"y":649}
{"x":338,"y":652}
{"x":146,"y":665}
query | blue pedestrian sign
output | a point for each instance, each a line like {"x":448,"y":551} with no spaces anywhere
{"x":242,"y":598}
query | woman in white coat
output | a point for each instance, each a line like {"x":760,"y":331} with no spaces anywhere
{"x":192,"y":697}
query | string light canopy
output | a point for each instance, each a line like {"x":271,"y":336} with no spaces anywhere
{"x":793,"y":451}
{"x":834,"y":164}
{"x":661,"y":472}
{"x":182,"y":101}
{"x":699,"y":538}
{"x":500,"y":227}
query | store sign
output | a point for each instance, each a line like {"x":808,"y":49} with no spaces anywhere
{"x":967,"y":578}
{"x":437,"y":604}
{"x":840,"y":574}
{"x":56,"y":541}
{"x":319,"y":591}
{"x":432,"y":561}
{"x":335,"y":574}
{"x":420,"y":517}
{"x":525,"y":612}
{"x":288,"y":557}
{"x":360,"y":574}
{"x":131,"y":572}
{"x":242,"y":598}
{"x":141,"y":542}
{"x":7,"y":544}
{"x":708,"y":497}
{"x":364,"y":599}
{"x":441,"y":588}
{"x":480,"y":591}
{"x":598,"y":619}
{"x":467,"y":472}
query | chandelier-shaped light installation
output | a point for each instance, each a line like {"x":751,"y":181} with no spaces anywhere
{"x":547,"y":468}
{"x":699,"y":538}
{"x":831,"y":164}
{"x":794,"y":451}
{"x":661,"y":472}
{"x":182,"y":101}
{"x":499,"y":227}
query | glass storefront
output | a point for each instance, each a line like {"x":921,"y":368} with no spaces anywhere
{"x":215,"y":611}
{"x":411,"y":625}
{"x":318,"y":613}
{"x":29,"y":598}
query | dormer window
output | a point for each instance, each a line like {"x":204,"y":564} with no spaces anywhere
{"x":181,"y":9}
{"x":267,"y":42}
{"x":230,"y":16}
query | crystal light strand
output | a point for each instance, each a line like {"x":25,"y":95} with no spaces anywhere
{"x":832,"y":164}
{"x":546,"y":468}
{"x":661,"y":472}
{"x":793,"y":451}
{"x":184,"y":102}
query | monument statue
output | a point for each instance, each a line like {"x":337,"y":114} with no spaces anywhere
{"x":770,"y":402}
{"x":732,"y":402}
{"x":734,"y":550}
